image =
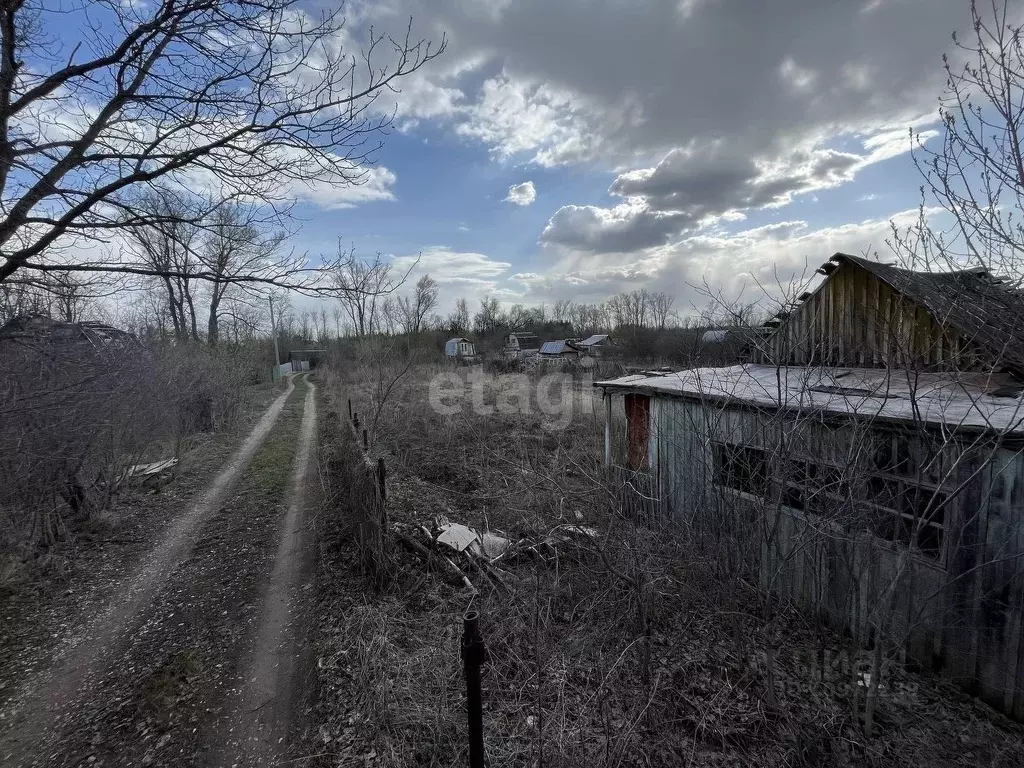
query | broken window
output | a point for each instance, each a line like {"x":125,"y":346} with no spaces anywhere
{"x":638,"y":430}
{"x":741,"y":467}
{"x":891,"y":498}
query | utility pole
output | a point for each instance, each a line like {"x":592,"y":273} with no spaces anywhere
{"x":273,"y":332}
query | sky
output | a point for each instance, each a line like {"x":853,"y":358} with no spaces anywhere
{"x":579,"y":148}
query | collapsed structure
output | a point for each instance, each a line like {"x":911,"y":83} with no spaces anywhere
{"x":867,"y":465}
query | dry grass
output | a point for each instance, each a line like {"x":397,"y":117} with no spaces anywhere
{"x":634,"y":651}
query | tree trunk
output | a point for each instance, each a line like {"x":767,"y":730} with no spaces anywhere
{"x":212,"y":326}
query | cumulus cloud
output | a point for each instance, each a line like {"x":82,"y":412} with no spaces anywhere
{"x":623,"y":228}
{"x":746,"y":263}
{"x":376,"y":185}
{"x":717,"y":113}
{"x":697,"y":186}
{"x":521,"y":194}
{"x":535,"y":79}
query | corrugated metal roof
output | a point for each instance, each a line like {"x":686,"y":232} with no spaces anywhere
{"x":597,"y":338}
{"x":955,"y":400}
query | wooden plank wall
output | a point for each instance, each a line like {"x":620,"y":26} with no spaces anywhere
{"x":854,"y":319}
{"x":963,"y":616}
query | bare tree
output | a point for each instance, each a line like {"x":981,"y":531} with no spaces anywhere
{"x":362,"y":286}
{"x":661,"y":308}
{"x":519,"y":316}
{"x":234,"y":247}
{"x":458,"y":321}
{"x":563,"y":308}
{"x":246,"y":97}
{"x":977,"y":172}
{"x":164,"y":241}
{"x":413,"y":310}
{"x":488,"y":319}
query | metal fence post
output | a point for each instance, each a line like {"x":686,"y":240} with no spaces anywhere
{"x":381,"y":478}
{"x":474,"y":654}
{"x":350,"y":409}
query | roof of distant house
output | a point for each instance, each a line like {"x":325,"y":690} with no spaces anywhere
{"x":596,"y":339}
{"x":955,"y":400}
{"x":41,"y":328}
{"x":558,"y":347}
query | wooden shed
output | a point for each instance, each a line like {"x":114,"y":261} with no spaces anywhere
{"x":879,"y":315}
{"x":565,"y":349}
{"x":520,"y":345}
{"x":870,"y":468}
{"x":460,"y":349}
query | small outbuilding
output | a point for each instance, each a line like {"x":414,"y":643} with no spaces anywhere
{"x":305,"y":359}
{"x":459,"y":349}
{"x":597,"y":345}
{"x":867,"y":466}
{"x":520,"y":345}
{"x":562,"y":348}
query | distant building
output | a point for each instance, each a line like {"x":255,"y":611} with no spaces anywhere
{"x":725,"y":346}
{"x":460,"y":349}
{"x":35,"y":330}
{"x":520,"y":345}
{"x":596,"y":345}
{"x":562,"y":348}
{"x":305,"y":359}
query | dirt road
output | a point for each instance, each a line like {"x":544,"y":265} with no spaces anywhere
{"x":198,"y":636}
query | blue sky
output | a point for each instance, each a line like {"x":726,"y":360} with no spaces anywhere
{"x":579,"y":148}
{"x":668,"y":143}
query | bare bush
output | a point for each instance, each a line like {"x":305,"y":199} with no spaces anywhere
{"x":74,"y":418}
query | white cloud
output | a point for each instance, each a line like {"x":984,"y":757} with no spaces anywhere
{"x":739,"y":263}
{"x":461,"y":274}
{"x":626,"y":227}
{"x":700,"y":185}
{"x":376,"y":185}
{"x":537,"y":79}
{"x":798,"y":78}
{"x":521,"y":194}
{"x":516,"y":116}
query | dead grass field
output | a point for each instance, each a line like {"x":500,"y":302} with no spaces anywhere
{"x":628,"y":651}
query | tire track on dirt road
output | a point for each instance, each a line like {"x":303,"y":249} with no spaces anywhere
{"x":49,"y":700}
{"x":257,"y":730}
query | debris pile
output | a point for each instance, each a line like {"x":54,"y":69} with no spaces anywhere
{"x":151,"y":477}
{"x":461,"y":551}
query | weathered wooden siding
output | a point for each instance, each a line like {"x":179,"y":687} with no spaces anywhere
{"x":854,"y":319}
{"x":960,"y":614}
